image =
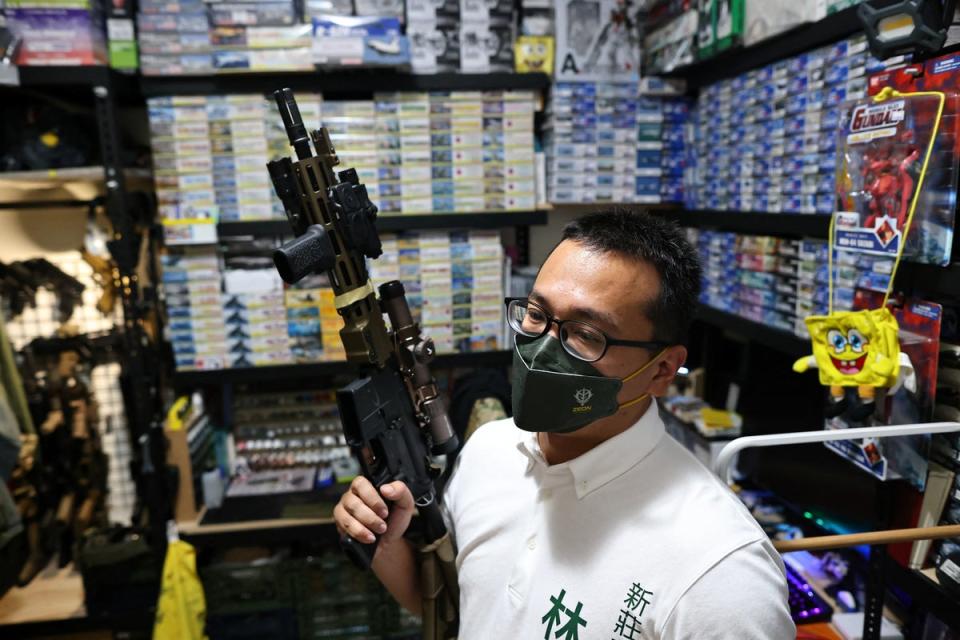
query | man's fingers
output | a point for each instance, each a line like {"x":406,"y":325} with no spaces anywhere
{"x":350,"y":526}
{"x":360,"y":511}
{"x":363,"y":489}
{"x":399,"y":494}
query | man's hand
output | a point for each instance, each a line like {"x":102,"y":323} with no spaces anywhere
{"x":362,"y":512}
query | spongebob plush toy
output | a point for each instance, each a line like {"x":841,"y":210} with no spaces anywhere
{"x":534,"y":54}
{"x":854,"y":349}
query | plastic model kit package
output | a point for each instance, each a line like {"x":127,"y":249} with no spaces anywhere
{"x":896,"y":167}
{"x":594,"y":42}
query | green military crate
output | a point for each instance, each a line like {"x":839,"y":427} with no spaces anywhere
{"x":276,"y":624}
{"x":337,"y":600}
{"x":248,"y":587}
{"x":332,"y":576}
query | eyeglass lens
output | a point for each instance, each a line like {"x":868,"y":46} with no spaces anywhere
{"x":579,"y":339}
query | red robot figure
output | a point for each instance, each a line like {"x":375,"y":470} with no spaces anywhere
{"x":887,"y":180}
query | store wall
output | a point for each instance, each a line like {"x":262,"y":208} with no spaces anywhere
{"x":544,"y":238}
{"x":31,"y":233}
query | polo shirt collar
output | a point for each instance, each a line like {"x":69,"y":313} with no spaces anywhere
{"x":608,"y":460}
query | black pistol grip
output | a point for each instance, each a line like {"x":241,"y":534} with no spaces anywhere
{"x":309,"y":253}
{"x":360,"y":553}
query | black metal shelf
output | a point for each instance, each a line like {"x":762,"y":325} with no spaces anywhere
{"x":912,"y":276}
{"x":733,"y":62}
{"x":924,"y":592}
{"x":65,"y":75}
{"x":74,"y":79}
{"x":274,"y":532}
{"x":133,"y":623}
{"x":754,"y":331}
{"x":319,"y":369}
{"x":400,"y":223}
{"x":757,"y":223}
{"x":931,"y":279}
{"x":342,"y":82}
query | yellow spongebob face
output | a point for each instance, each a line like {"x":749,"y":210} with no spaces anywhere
{"x":855,"y":348}
{"x":848,"y":352}
{"x":534,"y":54}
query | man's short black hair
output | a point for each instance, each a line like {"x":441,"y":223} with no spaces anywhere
{"x":658,"y":242}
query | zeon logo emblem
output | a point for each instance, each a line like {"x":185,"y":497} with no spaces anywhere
{"x":876,"y":116}
{"x":582,"y":396}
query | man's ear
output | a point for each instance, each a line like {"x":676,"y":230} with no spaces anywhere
{"x":670,"y":361}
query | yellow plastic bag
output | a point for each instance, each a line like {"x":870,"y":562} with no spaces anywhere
{"x":182,"y":608}
{"x":854,"y":348}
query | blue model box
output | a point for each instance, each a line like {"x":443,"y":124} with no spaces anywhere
{"x":647,"y":186}
{"x":348,"y":40}
{"x":648,"y":159}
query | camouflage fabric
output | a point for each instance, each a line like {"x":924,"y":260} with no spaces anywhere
{"x":484,"y":410}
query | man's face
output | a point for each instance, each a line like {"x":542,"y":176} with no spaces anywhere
{"x":610,"y":292}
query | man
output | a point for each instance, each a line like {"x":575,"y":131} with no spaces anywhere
{"x":578,"y":518}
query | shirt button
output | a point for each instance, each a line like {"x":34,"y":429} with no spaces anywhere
{"x":532,"y":544}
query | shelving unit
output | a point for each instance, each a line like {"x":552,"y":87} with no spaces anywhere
{"x":932,"y":279}
{"x":259,"y":532}
{"x":325,"y":369}
{"x":770,"y":337}
{"x":925,"y":591}
{"x":752,"y":222}
{"x":339,"y":82}
{"x":732,"y":62}
{"x":76,"y":81}
{"x":71,"y":187}
{"x":52,"y":605}
{"x":493,"y":220}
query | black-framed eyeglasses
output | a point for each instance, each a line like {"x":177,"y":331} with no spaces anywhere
{"x":579,"y":339}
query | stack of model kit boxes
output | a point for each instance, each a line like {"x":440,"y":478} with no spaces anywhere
{"x":210,"y":156}
{"x":255,"y":318}
{"x":454,"y":282}
{"x":454,"y":285}
{"x":812,"y":292}
{"x":471,"y":36}
{"x":661,"y":158}
{"x":57,"y":32}
{"x":718,"y":281}
{"x":312,"y":321}
{"x":195,"y":307}
{"x":440,"y":152}
{"x":768,"y":138}
{"x":767,"y":284}
{"x":174,"y":37}
{"x":417,"y":153}
{"x":258,"y":36}
{"x":238,"y":142}
{"x":591,"y":142}
{"x":182,"y":157}
{"x":773,"y":281}
{"x":183,"y":37}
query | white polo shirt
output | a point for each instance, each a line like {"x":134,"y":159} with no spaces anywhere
{"x":633,"y":539}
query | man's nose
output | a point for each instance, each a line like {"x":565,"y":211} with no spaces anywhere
{"x":554,"y":329}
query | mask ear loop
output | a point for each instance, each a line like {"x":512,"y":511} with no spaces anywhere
{"x":630,"y":377}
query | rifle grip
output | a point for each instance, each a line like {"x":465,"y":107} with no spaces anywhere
{"x":309,"y":253}
{"x":360,"y":553}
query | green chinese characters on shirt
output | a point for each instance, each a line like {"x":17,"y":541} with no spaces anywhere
{"x":570,"y":629}
{"x":628,"y":624}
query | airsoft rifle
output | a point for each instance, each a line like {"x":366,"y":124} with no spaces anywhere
{"x":392,"y":415}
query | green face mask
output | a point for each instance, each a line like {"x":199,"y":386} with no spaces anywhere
{"x":555,"y":392}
